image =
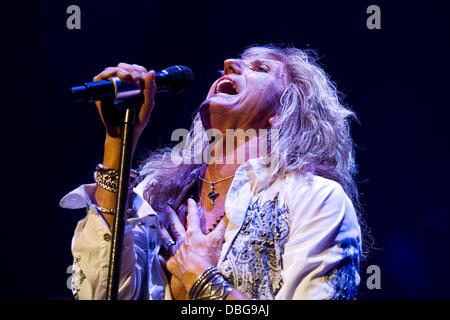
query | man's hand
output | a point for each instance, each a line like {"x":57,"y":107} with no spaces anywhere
{"x":194,"y":251}
{"x":111,"y":117}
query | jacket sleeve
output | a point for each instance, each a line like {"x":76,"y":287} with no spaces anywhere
{"x":141,"y":276}
{"x":321,"y":256}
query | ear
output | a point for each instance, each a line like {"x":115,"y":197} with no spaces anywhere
{"x":273,"y":120}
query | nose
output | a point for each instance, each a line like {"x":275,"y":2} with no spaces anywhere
{"x":232,"y":66}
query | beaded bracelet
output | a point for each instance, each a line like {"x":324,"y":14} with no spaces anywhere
{"x":108,"y":179}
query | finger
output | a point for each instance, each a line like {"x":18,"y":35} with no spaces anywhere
{"x":136,"y":76}
{"x":114,"y":71}
{"x":125,"y":66}
{"x":218,"y":233}
{"x":137,"y":72}
{"x":149,"y":81}
{"x":133,"y":69}
{"x":175,"y":226}
{"x":140,"y":68}
{"x":164,"y":236}
{"x":182,"y":213}
{"x":108,"y":72}
{"x":124,"y":74}
{"x":193,"y":219}
{"x":171,"y":265}
{"x":149,"y":95}
{"x":162,"y":261}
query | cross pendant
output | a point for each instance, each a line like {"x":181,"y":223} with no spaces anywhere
{"x":213,"y":195}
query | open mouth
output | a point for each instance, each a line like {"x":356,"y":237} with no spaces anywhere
{"x":227,"y":86}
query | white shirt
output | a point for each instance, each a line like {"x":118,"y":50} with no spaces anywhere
{"x":296,"y":237}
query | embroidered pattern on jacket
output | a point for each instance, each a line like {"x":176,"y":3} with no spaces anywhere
{"x":77,"y":277}
{"x":345,"y":279}
{"x":253,"y":263}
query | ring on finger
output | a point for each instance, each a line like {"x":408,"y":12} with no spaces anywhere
{"x":168,"y":244}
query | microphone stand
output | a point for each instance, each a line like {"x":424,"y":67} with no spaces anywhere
{"x":175,"y":79}
{"x":112,"y":287}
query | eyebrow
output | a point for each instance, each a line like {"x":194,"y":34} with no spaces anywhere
{"x":260,"y":61}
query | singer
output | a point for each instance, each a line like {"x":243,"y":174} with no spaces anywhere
{"x":281,"y":223}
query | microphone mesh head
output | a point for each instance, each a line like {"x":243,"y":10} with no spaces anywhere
{"x":177,"y":79}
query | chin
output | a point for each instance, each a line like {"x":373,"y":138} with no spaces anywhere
{"x":213,"y":114}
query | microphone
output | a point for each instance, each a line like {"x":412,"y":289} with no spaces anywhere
{"x":171,"y":79}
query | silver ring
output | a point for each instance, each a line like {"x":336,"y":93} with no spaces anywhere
{"x":168,"y":244}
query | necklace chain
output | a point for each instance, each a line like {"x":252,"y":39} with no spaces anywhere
{"x":214,"y":183}
{"x":213,"y":195}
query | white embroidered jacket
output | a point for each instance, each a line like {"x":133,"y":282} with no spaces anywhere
{"x":290,"y":238}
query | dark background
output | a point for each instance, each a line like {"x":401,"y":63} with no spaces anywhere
{"x":394,"y":78}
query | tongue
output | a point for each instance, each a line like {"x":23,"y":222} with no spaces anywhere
{"x":227,"y":88}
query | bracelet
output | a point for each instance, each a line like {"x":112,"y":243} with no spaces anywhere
{"x":100,"y":167}
{"x":210,"y":285}
{"x":108,"y":179}
{"x":201,"y":281}
{"x":103,"y":210}
{"x":216,"y":289}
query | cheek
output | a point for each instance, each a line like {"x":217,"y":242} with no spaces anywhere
{"x":267,"y":96}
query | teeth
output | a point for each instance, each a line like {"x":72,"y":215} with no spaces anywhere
{"x":229,"y":81}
